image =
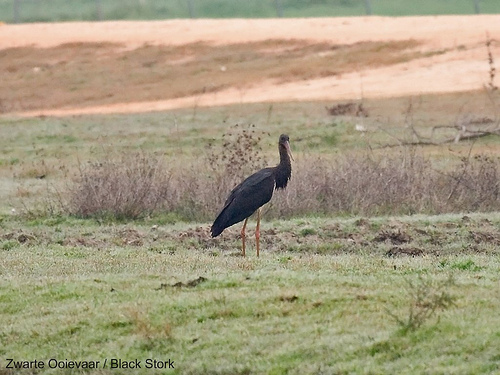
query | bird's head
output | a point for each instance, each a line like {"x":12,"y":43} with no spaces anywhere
{"x":285,"y":143}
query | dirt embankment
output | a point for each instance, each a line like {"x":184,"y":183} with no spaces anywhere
{"x":453,"y":56}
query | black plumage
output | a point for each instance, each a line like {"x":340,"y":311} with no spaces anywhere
{"x":253,"y":193}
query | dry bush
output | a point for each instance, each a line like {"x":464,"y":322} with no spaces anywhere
{"x":125,"y":186}
{"x":358,"y":185}
{"x":239,"y":156}
{"x":475,"y":184}
{"x":136,"y":185}
{"x":353,"y":185}
{"x":347,"y":109}
{"x":404,"y":183}
{"x":131,"y":186}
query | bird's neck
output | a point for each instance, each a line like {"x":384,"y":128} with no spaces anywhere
{"x":283,"y":169}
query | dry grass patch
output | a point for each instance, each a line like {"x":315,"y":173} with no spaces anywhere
{"x":401,"y":183}
{"x":139,"y":185}
{"x":127,"y":187}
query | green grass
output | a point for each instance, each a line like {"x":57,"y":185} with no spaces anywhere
{"x":77,"y":290}
{"x":59,"y":10}
{"x":316,"y":301}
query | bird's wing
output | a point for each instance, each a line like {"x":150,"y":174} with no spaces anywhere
{"x":245,"y":199}
{"x":249,"y":184}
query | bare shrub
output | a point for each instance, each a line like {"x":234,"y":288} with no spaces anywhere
{"x":404,"y":183}
{"x":350,"y":108}
{"x":475,"y":184}
{"x":125,"y":186}
{"x":135,"y":185}
{"x":359,"y":185}
{"x":239,"y":156}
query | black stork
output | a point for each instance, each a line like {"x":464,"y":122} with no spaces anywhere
{"x":254,"y":192}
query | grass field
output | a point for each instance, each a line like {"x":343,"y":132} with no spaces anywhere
{"x":334,"y":292}
{"x":59,"y":10}
{"x":328,"y":295}
{"x":325,"y":297}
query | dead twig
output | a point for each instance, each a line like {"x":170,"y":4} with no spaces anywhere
{"x":491,"y":63}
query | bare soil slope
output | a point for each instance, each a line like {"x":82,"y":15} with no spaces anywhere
{"x":439,"y":54}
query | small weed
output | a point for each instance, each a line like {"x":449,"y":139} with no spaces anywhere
{"x":426,"y":298}
{"x":284,"y":259}
{"x":307,"y":232}
{"x":145,"y":328}
{"x":9,"y":245}
{"x":466,"y":265}
{"x":443,"y":263}
{"x":330,"y":139}
{"x":329,"y":248}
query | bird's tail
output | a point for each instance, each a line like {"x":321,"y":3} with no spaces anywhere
{"x":219,"y":224}
{"x":216,"y":229}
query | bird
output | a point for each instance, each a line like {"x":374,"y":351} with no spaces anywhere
{"x":254,"y":192}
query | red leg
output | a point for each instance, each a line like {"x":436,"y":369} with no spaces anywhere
{"x":257,"y":232}
{"x":243,"y":237}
